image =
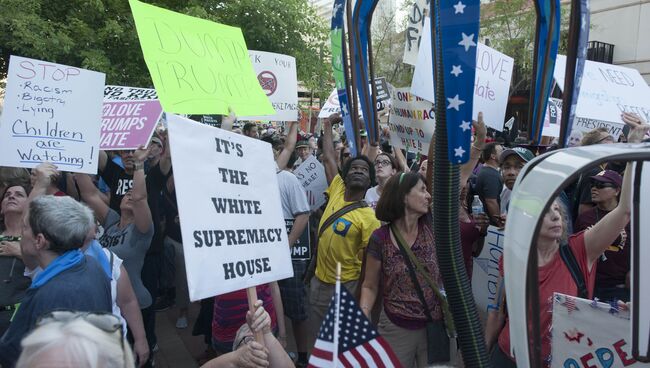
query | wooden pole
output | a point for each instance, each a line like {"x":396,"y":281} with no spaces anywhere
{"x":251,"y":293}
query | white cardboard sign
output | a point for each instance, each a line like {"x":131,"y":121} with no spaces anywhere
{"x":579,"y":341}
{"x":233,"y":230}
{"x":608,"y":90}
{"x":412,"y":121}
{"x":485,"y":273}
{"x":311,"y":175}
{"x":52,"y":113}
{"x":491,"y":83}
{"x":277,"y":76}
{"x":414,"y":30}
{"x":581,"y":125}
{"x":331,"y":106}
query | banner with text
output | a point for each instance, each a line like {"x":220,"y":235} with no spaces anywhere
{"x":590,"y":334}
{"x":608,"y":90}
{"x":311,"y":175}
{"x":277,"y":76}
{"x":417,"y":15}
{"x":301,"y":250}
{"x":198,"y":66}
{"x":485,"y":273}
{"x":130,"y":117}
{"x":233,"y":230}
{"x":412,"y":121}
{"x":51,"y":114}
{"x":491,"y":83}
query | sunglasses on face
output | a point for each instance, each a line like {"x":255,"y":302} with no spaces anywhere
{"x":601,"y":185}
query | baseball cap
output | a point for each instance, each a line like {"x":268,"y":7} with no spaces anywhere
{"x":302,"y":143}
{"x":523,"y":153}
{"x":609,"y":176}
{"x":363,"y":133}
{"x":156,"y":140}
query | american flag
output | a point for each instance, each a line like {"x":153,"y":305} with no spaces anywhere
{"x":355,"y":343}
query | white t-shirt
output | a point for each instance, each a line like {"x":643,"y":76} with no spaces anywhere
{"x":372,"y":197}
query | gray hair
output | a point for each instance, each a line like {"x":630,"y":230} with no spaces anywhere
{"x":76,"y":344}
{"x":64,"y":222}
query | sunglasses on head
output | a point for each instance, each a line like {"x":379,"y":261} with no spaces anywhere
{"x":601,"y":185}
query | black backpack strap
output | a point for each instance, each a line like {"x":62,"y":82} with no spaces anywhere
{"x":571,"y":263}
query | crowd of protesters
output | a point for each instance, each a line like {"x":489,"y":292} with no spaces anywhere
{"x":87,"y":260}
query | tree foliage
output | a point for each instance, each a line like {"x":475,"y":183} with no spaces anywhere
{"x":510,"y":27}
{"x":100,"y":34}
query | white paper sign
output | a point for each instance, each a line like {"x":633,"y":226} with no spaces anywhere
{"x":608,"y":90}
{"x":485,"y":273}
{"x":581,"y":125}
{"x":52,"y":113}
{"x":414,"y":30}
{"x":587,"y":334}
{"x":311,"y":175}
{"x":491,"y":83}
{"x":233,"y":230}
{"x":331,"y":106}
{"x":277,"y":76}
{"x":412,"y":121}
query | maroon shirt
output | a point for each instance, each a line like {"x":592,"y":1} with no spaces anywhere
{"x":614,"y":264}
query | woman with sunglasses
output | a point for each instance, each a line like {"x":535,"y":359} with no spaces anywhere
{"x":612,"y":273}
{"x":554,"y":274}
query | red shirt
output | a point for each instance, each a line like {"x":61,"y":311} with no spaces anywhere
{"x":554,"y":277}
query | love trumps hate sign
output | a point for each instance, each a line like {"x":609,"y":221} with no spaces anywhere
{"x":233,"y":229}
{"x":198,"y":66}
{"x":52,"y":114}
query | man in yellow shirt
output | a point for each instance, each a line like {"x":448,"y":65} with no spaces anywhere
{"x":345,"y":240}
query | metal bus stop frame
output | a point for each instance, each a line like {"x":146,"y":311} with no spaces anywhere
{"x":538,"y":184}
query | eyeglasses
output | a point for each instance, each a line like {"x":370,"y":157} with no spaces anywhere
{"x":106,"y":322}
{"x":382,"y":163}
{"x":346,"y":154}
{"x":607,"y":138}
{"x":601,"y":185}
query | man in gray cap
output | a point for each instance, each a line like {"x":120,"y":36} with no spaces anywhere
{"x":512,"y":161}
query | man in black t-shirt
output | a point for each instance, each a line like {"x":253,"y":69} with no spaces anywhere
{"x":489,"y":183}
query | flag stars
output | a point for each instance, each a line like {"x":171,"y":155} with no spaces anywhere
{"x":454,"y":103}
{"x":459,"y":8}
{"x":467,"y":41}
{"x":459,"y":151}
{"x":456,"y":70}
{"x":465,"y":125}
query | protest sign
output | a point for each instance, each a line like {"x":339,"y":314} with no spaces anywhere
{"x":580,"y":125}
{"x":233,"y":230}
{"x":331,"y":105}
{"x":301,"y":250}
{"x":580,"y":342}
{"x":311,"y":175}
{"x":485,"y":273}
{"x":608,"y":90}
{"x":412,"y":121}
{"x":416,"y":19}
{"x":491,"y":83}
{"x":51,"y":114}
{"x":128,"y":121}
{"x":277,"y":76}
{"x":198,"y":66}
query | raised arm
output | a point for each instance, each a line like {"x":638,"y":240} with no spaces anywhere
{"x":401,"y":160}
{"x":166,"y":157}
{"x":91,"y":196}
{"x":605,"y":231}
{"x":475,"y":151}
{"x":43,"y":174}
{"x":141,"y":211}
{"x":289,"y":145}
{"x":329,"y":155}
{"x":128,"y":303}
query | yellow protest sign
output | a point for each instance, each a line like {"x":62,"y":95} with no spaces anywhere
{"x":198,"y":66}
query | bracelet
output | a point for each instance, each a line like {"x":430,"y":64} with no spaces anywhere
{"x":476,"y":148}
{"x":138,"y":166}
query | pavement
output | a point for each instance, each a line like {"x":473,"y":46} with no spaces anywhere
{"x":178,"y":348}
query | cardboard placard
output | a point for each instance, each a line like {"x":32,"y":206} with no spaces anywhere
{"x":129,"y":117}
{"x":486,"y":280}
{"x":198,"y":66}
{"x":301,"y":250}
{"x":416,"y":19}
{"x":232,"y":225}
{"x":412,"y":121}
{"x":277,"y":76}
{"x":52,"y":113}
{"x":311,"y":175}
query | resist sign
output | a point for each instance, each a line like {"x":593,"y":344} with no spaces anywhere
{"x":51,"y":114}
{"x":128,"y":121}
{"x":233,"y":229}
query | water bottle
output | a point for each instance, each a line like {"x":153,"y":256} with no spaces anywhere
{"x":477,"y":206}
